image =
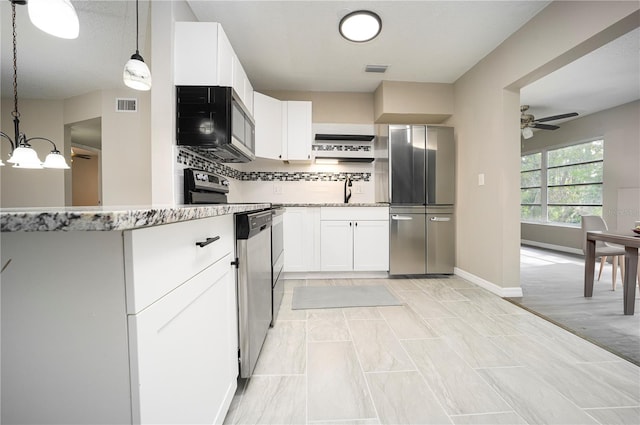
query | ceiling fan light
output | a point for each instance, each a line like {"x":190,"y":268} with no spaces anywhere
{"x":136,"y":73}
{"x":527,"y":132}
{"x":55,"y":17}
{"x":360,"y":26}
{"x":55,"y":160}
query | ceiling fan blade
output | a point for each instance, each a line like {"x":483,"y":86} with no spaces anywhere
{"x":557,"y":117}
{"x":544,"y":126}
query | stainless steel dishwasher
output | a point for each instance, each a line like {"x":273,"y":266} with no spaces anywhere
{"x":253,"y":263}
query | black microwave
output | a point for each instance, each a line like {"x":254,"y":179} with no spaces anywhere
{"x":213,"y":119}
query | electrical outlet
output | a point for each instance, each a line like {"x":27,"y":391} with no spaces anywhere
{"x":277,"y":189}
{"x":359,"y":188}
{"x":481,"y":179}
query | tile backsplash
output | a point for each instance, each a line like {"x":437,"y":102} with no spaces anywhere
{"x":277,"y":182}
{"x":191,"y":159}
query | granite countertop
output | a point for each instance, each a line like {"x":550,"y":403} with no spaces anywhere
{"x":336,"y":204}
{"x":110,"y":218}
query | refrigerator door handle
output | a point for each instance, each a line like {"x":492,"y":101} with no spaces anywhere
{"x":400,"y":217}
{"x":440,"y":219}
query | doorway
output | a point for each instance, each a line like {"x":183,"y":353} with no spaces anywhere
{"x":86,"y":176}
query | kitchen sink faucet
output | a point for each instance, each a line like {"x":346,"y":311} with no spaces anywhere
{"x":347,"y":183}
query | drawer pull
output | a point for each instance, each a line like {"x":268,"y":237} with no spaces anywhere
{"x":207,"y":242}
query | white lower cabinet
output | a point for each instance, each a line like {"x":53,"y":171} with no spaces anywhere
{"x":359,"y":242}
{"x":336,"y":245}
{"x":182,"y":351}
{"x":119,"y":327}
{"x":354,"y":245}
{"x":301,"y":238}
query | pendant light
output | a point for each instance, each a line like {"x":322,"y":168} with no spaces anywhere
{"x":55,"y":17}
{"x":136,"y":73}
{"x":22,"y":154}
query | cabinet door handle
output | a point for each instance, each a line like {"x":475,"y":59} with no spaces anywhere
{"x":400,"y":217}
{"x":207,"y":242}
{"x":350,"y":223}
{"x":356,"y":224}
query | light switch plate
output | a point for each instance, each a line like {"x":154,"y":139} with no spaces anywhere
{"x":481,"y":179}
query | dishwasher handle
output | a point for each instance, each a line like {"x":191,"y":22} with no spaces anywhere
{"x":440,"y":219}
{"x":400,"y":217}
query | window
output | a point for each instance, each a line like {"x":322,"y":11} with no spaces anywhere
{"x":561,"y":184}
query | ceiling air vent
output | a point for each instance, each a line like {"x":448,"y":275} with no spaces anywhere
{"x":126,"y":105}
{"x":376,"y":68}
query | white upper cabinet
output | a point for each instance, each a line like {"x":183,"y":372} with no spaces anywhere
{"x":268,"y":116}
{"x":299,"y":137}
{"x":283,"y":128}
{"x":203,"y":56}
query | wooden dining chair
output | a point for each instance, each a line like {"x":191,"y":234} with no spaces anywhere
{"x":592,"y":223}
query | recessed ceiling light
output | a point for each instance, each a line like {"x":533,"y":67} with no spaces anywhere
{"x":360,"y":26}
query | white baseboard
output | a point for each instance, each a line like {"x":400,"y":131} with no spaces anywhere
{"x":509,"y":292}
{"x":551,"y":246}
{"x":335,"y":275}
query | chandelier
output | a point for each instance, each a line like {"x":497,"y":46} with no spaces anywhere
{"x":22,"y":154}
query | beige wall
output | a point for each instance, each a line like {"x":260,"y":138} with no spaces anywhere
{"x":401,"y":102}
{"x":33,"y":188}
{"x":620,"y":129}
{"x":486,"y":122}
{"x":333,"y":107}
{"x":126,"y":150}
{"x":126,"y":159}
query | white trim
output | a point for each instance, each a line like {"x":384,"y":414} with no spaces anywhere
{"x":552,"y":247}
{"x":508,"y":292}
{"x":334,"y":275}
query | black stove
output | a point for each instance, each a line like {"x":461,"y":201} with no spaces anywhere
{"x":204,"y":187}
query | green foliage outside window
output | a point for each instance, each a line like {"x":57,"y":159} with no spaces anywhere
{"x":571,"y":187}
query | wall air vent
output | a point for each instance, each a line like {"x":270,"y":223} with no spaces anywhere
{"x":126,"y":105}
{"x":381,"y":69}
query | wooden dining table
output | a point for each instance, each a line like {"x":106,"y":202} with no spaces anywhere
{"x":631,"y":244}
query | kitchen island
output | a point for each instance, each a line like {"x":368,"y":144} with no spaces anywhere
{"x":118,"y":315}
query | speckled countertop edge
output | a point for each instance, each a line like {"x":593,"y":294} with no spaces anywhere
{"x":341,"y":204}
{"x":110,"y":218}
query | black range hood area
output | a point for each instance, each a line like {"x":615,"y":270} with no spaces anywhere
{"x":344,"y":137}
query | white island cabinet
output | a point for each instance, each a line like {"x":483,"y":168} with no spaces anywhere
{"x":132,"y":326}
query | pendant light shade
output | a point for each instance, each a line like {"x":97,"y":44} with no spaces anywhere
{"x":55,"y":17}
{"x":136,"y":73}
{"x":55,"y":160}
{"x":25,"y":157}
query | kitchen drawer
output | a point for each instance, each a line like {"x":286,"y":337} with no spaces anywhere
{"x":158,"y":259}
{"x":354,"y":213}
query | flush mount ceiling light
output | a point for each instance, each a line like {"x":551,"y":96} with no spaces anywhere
{"x":136,"y":73}
{"x":360,"y":26}
{"x":22,"y":154}
{"x":55,"y":17}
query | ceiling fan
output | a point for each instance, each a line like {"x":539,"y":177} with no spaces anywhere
{"x":528,"y":121}
{"x":75,"y":154}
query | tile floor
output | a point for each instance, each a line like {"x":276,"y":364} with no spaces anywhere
{"x":453,"y":354}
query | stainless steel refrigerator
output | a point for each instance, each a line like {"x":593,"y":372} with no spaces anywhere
{"x":415,"y":173}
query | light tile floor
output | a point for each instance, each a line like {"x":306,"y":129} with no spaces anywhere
{"x":453,"y":354}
